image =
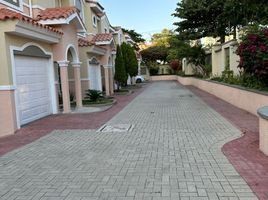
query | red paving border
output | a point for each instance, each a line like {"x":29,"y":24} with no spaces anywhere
{"x":42,"y":127}
{"x":243,"y":153}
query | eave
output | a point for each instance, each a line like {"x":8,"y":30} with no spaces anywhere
{"x":97,"y":50}
{"x":65,"y":21}
{"x":27,"y":30}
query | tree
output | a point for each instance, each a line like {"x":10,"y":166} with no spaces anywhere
{"x":194,"y":54}
{"x":200,"y":19}
{"x":133,"y":63}
{"x":217,"y":18}
{"x":162,"y":39}
{"x":120,"y":75}
{"x":136,"y":37}
{"x":155,"y":53}
{"x":125,"y":54}
{"x":130,"y":60}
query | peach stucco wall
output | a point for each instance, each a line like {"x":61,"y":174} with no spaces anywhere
{"x":263,"y":123}
{"x":164,"y":78}
{"x":219,"y":58}
{"x":69,"y":38}
{"x":246,"y":100}
{"x":7,"y":114}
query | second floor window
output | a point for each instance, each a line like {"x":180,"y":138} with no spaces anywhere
{"x":16,"y":4}
{"x":79,"y":6}
{"x":94,"y":19}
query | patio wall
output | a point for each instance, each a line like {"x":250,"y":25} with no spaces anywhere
{"x":164,"y":78}
{"x":239,"y":97}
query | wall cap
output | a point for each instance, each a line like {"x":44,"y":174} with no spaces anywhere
{"x":263,"y":112}
{"x":7,"y":87}
{"x":229,"y":85}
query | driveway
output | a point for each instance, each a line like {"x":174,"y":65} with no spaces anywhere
{"x":172,"y":150}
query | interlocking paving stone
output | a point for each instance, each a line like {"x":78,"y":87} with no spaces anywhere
{"x":173,"y":152}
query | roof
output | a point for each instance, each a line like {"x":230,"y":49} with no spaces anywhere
{"x":82,"y":42}
{"x":6,"y":14}
{"x":102,"y":37}
{"x":57,"y":13}
{"x":95,"y":2}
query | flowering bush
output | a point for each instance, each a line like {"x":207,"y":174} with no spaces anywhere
{"x":253,"y":52}
{"x":175,"y":65}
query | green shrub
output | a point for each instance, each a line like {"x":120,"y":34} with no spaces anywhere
{"x":243,"y":79}
{"x":94,"y":95}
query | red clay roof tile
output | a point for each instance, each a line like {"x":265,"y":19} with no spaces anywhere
{"x":82,"y":42}
{"x":6,"y":14}
{"x":57,"y":13}
{"x":102,"y":37}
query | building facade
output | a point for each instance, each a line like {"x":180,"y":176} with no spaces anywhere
{"x":51,"y":51}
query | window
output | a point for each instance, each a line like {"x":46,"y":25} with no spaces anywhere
{"x":16,"y":4}
{"x":105,"y":30}
{"x":94,"y":19}
{"x":79,"y":6}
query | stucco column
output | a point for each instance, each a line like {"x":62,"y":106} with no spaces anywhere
{"x":111,"y":80}
{"x":65,"y":86}
{"x":107,"y":81}
{"x":77,"y":79}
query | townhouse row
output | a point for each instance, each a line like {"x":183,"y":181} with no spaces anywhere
{"x":50,"y":51}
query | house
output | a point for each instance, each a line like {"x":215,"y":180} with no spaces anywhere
{"x":51,"y":50}
{"x":97,"y":49}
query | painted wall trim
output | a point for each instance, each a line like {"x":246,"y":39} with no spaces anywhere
{"x":7,"y":87}
{"x":37,"y":33}
{"x":38,"y":7}
{"x":82,"y":79}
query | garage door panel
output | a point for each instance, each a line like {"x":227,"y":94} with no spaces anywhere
{"x":32,"y":88}
{"x":33,"y":103}
{"x":29,"y":97}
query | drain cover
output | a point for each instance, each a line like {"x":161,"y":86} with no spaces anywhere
{"x":116,"y":128}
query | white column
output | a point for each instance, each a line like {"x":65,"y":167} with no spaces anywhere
{"x":77,"y":79}
{"x":65,"y":85}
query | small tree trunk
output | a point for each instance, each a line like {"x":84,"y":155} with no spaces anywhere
{"x":222,"y":39}
{"x":118,"y":86}
{"x":235,"y":35}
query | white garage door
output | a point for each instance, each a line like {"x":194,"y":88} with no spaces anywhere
{"x":32,"y":88}
{"x":95,"y":77}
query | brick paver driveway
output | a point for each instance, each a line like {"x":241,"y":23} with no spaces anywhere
{"x":173,"y":152}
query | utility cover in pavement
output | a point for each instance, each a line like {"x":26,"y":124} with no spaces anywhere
{"x":116,"y":128}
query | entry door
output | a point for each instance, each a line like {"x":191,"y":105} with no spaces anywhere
{"x":95,"y":77}
{"x":33,"y":94}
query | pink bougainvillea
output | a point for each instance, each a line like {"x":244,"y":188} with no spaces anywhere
{"x":253,"y":52}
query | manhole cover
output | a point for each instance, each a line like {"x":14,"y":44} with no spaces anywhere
{"x":116,"y":128}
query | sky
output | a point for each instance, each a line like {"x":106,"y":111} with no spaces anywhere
{"x":144,"y":16}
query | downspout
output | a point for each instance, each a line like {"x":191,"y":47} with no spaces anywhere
{"x":31,"y":8}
